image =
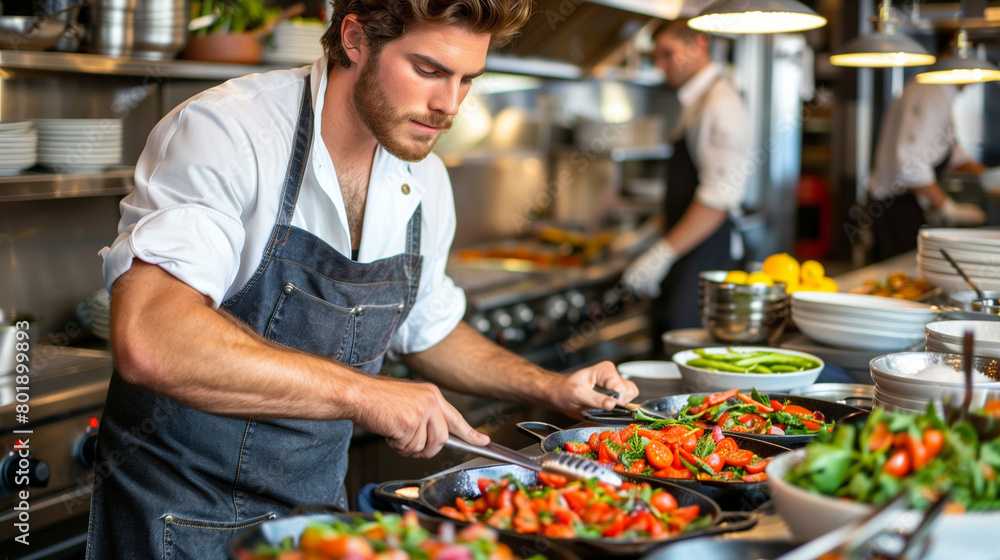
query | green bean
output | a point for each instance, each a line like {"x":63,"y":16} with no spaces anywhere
{"x":782,"y":368}
{"x":705,"y":363}
{"x":761,"y":368}
{"x":777,"y":358}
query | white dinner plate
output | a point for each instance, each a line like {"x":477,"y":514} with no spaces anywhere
{"x":856,"y":338}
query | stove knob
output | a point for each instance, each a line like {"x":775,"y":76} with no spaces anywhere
{"x":18,"y":472}
{"x":480,"y":323}
{"x":556,"y":308}
{"x":86,"y":450}
{"x":576,"y":299}
{"x":523,"y":314}
{"x":501,"y":319}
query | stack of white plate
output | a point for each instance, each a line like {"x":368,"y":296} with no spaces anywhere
{"x":907,"y":381}
{"x":79,"y":145}
{"x":860,"y":322}
{"x":294,"y":42}
{"x":95,"y":313}
{"x":18,"y":147}
{"x":977,"y":251}
{"x":946,"y":336}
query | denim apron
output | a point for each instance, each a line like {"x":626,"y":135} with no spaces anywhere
{"x":174,"y":482}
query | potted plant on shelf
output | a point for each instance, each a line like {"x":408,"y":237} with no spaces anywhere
{"x":232,"y":31}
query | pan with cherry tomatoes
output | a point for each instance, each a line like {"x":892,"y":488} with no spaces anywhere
{"x":813,"y":413}
{"x":675,"y":459}
{"x":458,"y":492}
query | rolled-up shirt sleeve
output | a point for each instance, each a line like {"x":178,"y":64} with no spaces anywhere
{"x":192,"y":181}
{"x":722,"y":151}
{"x":440,"y":304}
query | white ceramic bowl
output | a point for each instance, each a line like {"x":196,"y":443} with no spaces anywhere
{"x":650,"y":369}
{"x":897,"y":327}
{"x":856,"y":338}
{"x":954,"y":282}
{"x":934,"y":345}
{"x":986,"y":333}
{"x":969,"y":536}
{"x":926,"y":376}
{"x":962,"y":236}
{"x":894,"y":306}
{"x":702,"y":380}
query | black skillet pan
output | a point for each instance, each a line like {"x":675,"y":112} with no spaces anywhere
{"x":731,"y":496}
{"x":430,"y":493}
{"x":275,"y":531}
{"x":669,"y":406}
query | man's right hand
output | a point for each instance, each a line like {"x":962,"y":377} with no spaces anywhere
{"x":414,"y":417}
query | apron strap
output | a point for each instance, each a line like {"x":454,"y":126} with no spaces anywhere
{"x":297,"y":161}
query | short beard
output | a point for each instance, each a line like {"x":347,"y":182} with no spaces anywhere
{"x":379,"y":116}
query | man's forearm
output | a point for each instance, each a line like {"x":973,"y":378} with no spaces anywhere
{"x":468,"y":362}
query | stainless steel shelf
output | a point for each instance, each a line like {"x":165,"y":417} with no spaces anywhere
{"x":122,"y":66}
{"x":47,"y":186}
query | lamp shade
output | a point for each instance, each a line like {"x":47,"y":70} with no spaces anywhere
{"x":756,"y":16}
{"x":882,"y":50}
{"x":960,"y":70}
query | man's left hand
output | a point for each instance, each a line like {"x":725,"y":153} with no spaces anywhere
{"x":646,"y":273}
{"x":575,"y":392}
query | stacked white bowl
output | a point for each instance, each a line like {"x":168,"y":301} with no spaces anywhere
{"x":861,"y":322}
{"x":907,"y":381}
{"x":79,"y":145}
{"x":18,"y":147}
{"x":946,"y":336}
{"x":294,"y":42}
{"x":977,"y":251}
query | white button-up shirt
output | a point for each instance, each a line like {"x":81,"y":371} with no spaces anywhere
{"x":918,"y":131}
{"x":207,"y":189}
{"x":717,"y":133}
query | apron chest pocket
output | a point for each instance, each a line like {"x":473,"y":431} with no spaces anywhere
{"x":354,"y":336}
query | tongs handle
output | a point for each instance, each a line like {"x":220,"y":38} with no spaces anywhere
{"x":493,"y":451}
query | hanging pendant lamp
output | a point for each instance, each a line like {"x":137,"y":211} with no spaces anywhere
{"x":884,"y":48}
{"x":961,"y":68}
{"x":756,"y":16}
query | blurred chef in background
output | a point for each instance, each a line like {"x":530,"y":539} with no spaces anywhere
{"x":916,"y":144}
{"x":705,"y":183}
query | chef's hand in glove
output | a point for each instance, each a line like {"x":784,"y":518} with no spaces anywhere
{"x":646,"y":273}
{"x":961,"y":214}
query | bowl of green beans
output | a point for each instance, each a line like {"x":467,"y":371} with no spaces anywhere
{"x":747,"y":367}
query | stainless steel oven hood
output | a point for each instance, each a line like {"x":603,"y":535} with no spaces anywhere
{"x":584,"y":33}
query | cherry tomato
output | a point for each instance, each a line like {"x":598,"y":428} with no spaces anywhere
{"x":484,"y":484}
{"x":447,"y":511}
{"x":671,"y":472}
{"x":626,"y":433}
{"x":776,"y":405}
{"x":649,"y":434}
{"x":717,"y":398}
{"x":577,"y":447}
{"x":919,"y":456}
{"x":881,"y":438}
{"x":688,"y":443}
{"x":758,"y":477}
{"x":576,"y":499}
{"x":664,"y":502}
{"x":552,"y":479}
{"x":739,"y":458}
{"x":751,"y":421}
{"x":757,"y":466}
{"x":595,"y":440}
{"x":811,"y":426}
{"x":673,"y":434}
{"x":726,"y":446}
{"x":658,"y":454}
{"x":716,"y":462}
{"x":898,"y":464}
{"x":687,"y":514}
{"x":636,"y":468}
{"x":723,"y":418}
{"x":934,"y":441}
{"x":558,"y":531}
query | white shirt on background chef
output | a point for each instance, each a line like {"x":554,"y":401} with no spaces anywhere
{"x":207,"y":189}
{"x":717,"y":133}
{"x":918,"y":132}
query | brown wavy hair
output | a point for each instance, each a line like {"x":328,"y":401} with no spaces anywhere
{"x":386,"y":20}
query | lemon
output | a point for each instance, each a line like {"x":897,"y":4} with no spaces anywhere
{"x":812,"y":271}
{"x":782,"y":267}
{"x":827,"y":284}
{"x":760,"y":278}
{"x":736,"y":277}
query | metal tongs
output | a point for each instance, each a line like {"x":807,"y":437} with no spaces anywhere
{"x":845,"y":542}
{"x":565,"y":464}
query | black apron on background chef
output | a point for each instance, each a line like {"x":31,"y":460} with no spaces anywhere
{"x":271,"y":464}
{"x":916,"y":145}
{"x":705,"y":184}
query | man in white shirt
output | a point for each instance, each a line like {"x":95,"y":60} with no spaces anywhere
{"x":917,"y":140}
{"x":705,"y":182}
{"x":286,"y":231}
